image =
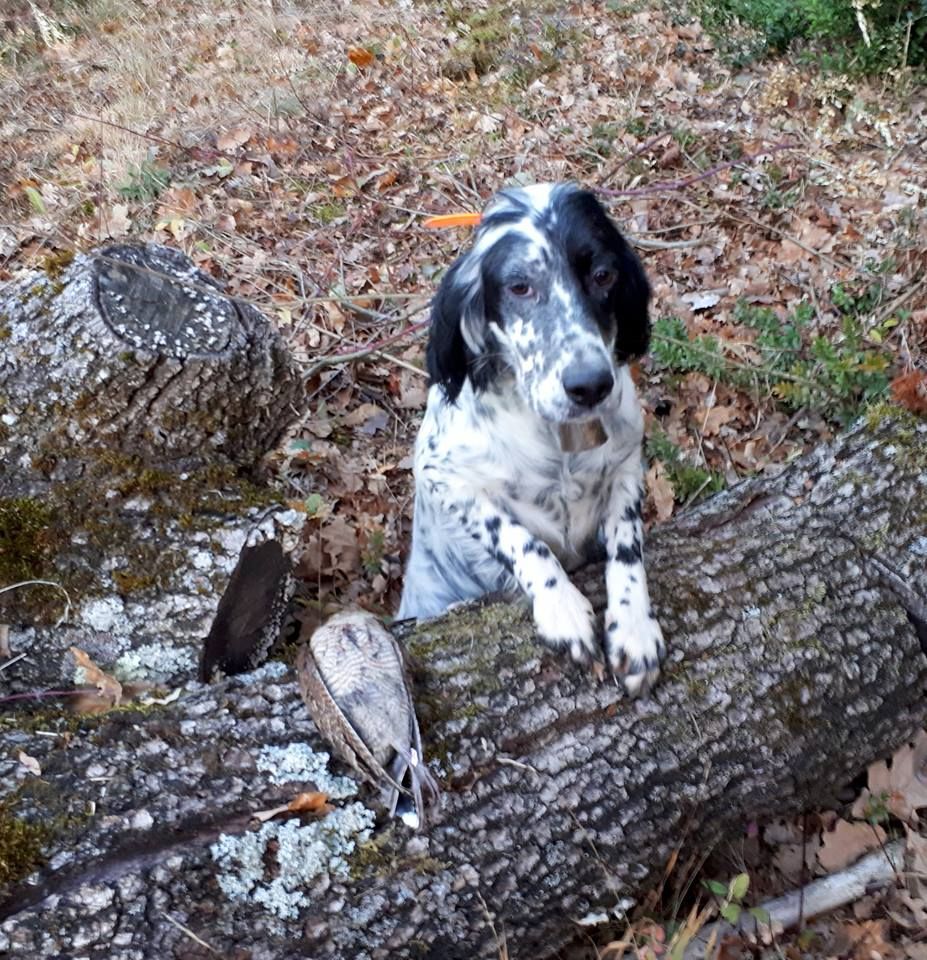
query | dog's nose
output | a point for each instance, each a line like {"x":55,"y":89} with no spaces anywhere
{"x":587,"y":384}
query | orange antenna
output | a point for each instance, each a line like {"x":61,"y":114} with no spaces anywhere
{"x":445,"y":220}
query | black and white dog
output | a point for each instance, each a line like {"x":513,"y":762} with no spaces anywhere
{"x":531,"y":332}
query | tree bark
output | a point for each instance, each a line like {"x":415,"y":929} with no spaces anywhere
{"x":795,"y":612}
{"x":136,"y":401}
{"x":132,"y":351}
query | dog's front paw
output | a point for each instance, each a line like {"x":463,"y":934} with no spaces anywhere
{"x":565,"y":619}
{"x":634,"y":647}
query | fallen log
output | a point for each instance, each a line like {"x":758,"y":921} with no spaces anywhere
{"x":136,"y":402}
{"x":796,"y":617}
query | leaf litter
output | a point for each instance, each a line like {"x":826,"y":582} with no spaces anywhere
{"x":295,"y":159}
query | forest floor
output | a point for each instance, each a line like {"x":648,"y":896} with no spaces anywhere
{"x":293,"y":150}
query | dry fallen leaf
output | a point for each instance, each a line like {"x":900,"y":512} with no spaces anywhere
{"x":118,"y":222}
{"x":661,"y":490}
{"x":282,"y":147}
{"x":5,"y":651}
{"x":701,"y":301}
{"x":177,"y":201}
{"x":788,"y":859}
{"x":368,"y":418}
{"x":910,"y":390}
{"x":863,"y":941}
{"x":88,"y":701}
{"x":904,"y":784}
{"x":110,"y":688}
{"x":360,"y":56}
{"x":717,"y":417}
{"x":308,"y":802}
{"x":847,"y":842}
{"x":30,"y":763}
{"x":233,"y":139}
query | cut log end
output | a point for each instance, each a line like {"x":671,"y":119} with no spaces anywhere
{"x":154,"y":299}
{"x":131,"y":350}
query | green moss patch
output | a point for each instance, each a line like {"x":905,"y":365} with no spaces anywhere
{"x":26,"y":539}
{"x":36,"y":535}
{"x":22,"y":845}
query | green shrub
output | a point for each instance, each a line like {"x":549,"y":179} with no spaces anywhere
{"x":146,"y":182}
{"x":687,"y":479}
{"x":856,"y":36}
{"x":836,"y":375}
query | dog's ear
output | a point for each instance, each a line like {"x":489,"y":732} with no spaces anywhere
{"x":447,"y":356}
{"x":629,"y":298}
{"x":630,"y":301}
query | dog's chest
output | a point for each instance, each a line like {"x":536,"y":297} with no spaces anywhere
{"x":562,"y":498}
{"x":493,"y":450}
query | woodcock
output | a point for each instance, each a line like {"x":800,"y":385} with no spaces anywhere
{"x":353,"y":681}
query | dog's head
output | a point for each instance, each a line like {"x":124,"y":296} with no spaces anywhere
{"x":549,"y":291}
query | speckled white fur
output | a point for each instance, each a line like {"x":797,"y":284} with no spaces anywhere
{"x":500,"y":507}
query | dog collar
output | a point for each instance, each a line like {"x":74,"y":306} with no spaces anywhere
{"x":577,"y":437}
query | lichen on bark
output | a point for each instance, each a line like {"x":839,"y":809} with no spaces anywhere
{"x":135,"y":404}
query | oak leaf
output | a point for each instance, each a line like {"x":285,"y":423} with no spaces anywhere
{"x":360,"y":56}
{"x":661,"y":490}
{"x":110,"y":688}
{"x":847,"y":842}
{"x":910,"y":390}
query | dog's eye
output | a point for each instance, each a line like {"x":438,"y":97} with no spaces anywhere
{"x":521,"y":289}
{"x":602,"y":277}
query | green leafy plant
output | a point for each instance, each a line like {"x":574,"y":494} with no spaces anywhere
{"x":844,"y":35}
{"x":778,"y":195}
{"x":836,"y":375}
{"x":731,"y":897}
{"x":373,"y":552}
{"x":876,"y":809}
{"x":687,"y":479}
{"x":146,"y":182}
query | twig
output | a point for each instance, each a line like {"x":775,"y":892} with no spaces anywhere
{"x":501,"y":944}
{"x":44,"y":583}
{"x":376,"y":347}
{"x":11,"y":661}
{"x":751,"y":221}
{"x":821,"y":896}
{"x":508,"y":761}
{"x":676,"y":227}
{"x":803,"y":873}
{"x":154,"y":138}
{"x":189,"y":933}
{"x":664,"y":244}
{"x":889,"y":308}
{"x":41,"y":695}
{"x":682,"y":183}
{"x":627,"y":158}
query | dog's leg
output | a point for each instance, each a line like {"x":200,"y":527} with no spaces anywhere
{"x":563,"y":616}
{"x":633,"y":639}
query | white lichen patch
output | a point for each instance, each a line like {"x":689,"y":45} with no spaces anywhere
{"x":155,"y":662}
{"x":298,"y":761}
{"x":104,"y":614}
{"x":303,"y":854}
{"x":272,"y":670}
{"x":919,"y":547}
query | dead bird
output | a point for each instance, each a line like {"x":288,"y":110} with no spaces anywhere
{"x":353,"y":681}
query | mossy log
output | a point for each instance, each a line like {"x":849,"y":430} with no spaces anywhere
{"x":136,"y":402}
{"x":796,"y":613}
